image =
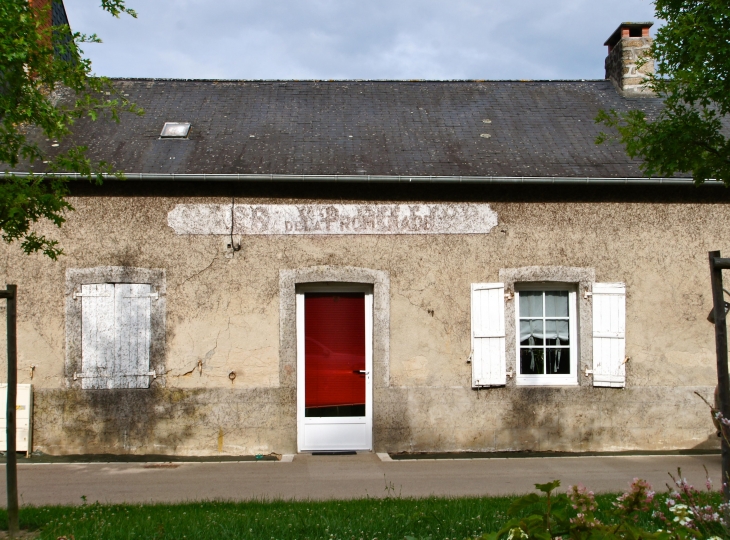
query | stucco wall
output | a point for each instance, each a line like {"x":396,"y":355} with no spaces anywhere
{"x":223,"y":315}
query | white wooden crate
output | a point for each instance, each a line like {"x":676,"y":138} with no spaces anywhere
{"x":23,"y":418}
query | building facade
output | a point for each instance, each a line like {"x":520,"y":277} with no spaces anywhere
{"x":372,"y":265}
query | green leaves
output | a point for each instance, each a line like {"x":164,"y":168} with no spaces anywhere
{"x":692,"y":53}
{"x":684,"y":514}
{"x":26,"y":200}
{"x":45,"y":86}
{"x":549,"y":517}
{"x":116,"y":7}
{"x":547,"y":488}
{"x":523,"y":503}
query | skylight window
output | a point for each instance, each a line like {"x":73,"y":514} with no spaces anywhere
{"x":175,"y":130}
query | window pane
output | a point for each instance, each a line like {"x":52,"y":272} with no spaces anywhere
{"x":557,"y":333}
{"x":334,"y":354}
{"x":558,"y":361}
{"x":556,"y":303}
{"x":530,"y":304}
{"x":335,"y":411}
{"x":531,"y":332}
{"x":532,"y":361}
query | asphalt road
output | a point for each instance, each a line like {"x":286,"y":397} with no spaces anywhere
{"x":340,"y":477}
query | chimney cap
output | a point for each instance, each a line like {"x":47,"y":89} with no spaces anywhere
{"x":616,"y":36}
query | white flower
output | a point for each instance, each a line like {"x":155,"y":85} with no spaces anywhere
{"x":682,"y":514}
{"x":516,"y":533}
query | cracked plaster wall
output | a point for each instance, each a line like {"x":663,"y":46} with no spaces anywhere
{"x":224,"y":314}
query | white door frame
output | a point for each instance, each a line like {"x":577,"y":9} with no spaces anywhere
{"x":334,"y":431}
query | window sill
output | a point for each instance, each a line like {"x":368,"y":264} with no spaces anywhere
{"x":545,"y":381}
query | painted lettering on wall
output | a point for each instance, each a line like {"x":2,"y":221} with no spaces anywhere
{"x":315,"y":219}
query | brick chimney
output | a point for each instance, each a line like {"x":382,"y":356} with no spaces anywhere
{"x":54,"y":12}
{"x":42,"y":8}
{"x":630,"y":43}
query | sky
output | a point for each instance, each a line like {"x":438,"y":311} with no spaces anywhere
{"x":355,"y":39}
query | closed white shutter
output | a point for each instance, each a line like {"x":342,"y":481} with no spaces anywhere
{"x":132,"y":322}
{"x":97,"y":334}
{"x":115,"y":335}
{"x":487,"y":334}
{"x":609,"y":334}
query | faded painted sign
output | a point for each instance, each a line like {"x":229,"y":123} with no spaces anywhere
{"x":308,"y":219}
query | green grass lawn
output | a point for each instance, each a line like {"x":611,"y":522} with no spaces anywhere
{"x":436,"y":518}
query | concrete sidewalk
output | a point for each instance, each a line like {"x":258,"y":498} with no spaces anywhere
{"x":341,"y":477}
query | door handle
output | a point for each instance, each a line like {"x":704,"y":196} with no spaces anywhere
{"x":362,"y":371}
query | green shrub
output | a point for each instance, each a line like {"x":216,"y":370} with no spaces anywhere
{"x":684,"y":513}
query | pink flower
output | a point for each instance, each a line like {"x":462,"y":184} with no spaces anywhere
{"x":639,"y":498}
{"x":584,"y":502}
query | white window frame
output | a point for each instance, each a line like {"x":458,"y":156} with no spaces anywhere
{"x":334,"y":433}
{"x":547,"y":379}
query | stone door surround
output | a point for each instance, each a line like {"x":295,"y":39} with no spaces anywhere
{"x":288,"y":281}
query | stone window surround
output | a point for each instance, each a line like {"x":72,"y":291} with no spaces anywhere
{"x":583,"y":278}
{"x":76,"y":277}
{"x":288,"y":281}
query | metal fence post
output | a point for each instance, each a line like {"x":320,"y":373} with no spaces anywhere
{"x":11,"y":464}
{"x":723,"y":379}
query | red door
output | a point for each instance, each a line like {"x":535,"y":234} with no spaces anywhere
{"x":334,"y":355}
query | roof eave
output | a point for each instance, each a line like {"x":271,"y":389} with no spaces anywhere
{"x":386,"y":179}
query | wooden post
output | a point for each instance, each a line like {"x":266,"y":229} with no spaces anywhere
{"x":723,"y":378}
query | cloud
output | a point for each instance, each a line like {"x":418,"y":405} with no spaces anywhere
{"x":355,"y":39}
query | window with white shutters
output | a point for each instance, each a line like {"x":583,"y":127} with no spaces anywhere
{"x":547,"y":334}
{"x":115,"y":335}
{"x":487,"y":335}
{"x":609,"y":334}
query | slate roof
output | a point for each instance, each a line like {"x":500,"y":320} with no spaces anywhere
{"x":537,"y":128}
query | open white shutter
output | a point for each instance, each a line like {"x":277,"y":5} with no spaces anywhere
{"x":609,"y":334}
{"x":487,"y":335}
{"x":132,"y":321}
{"x":97,"y":334}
